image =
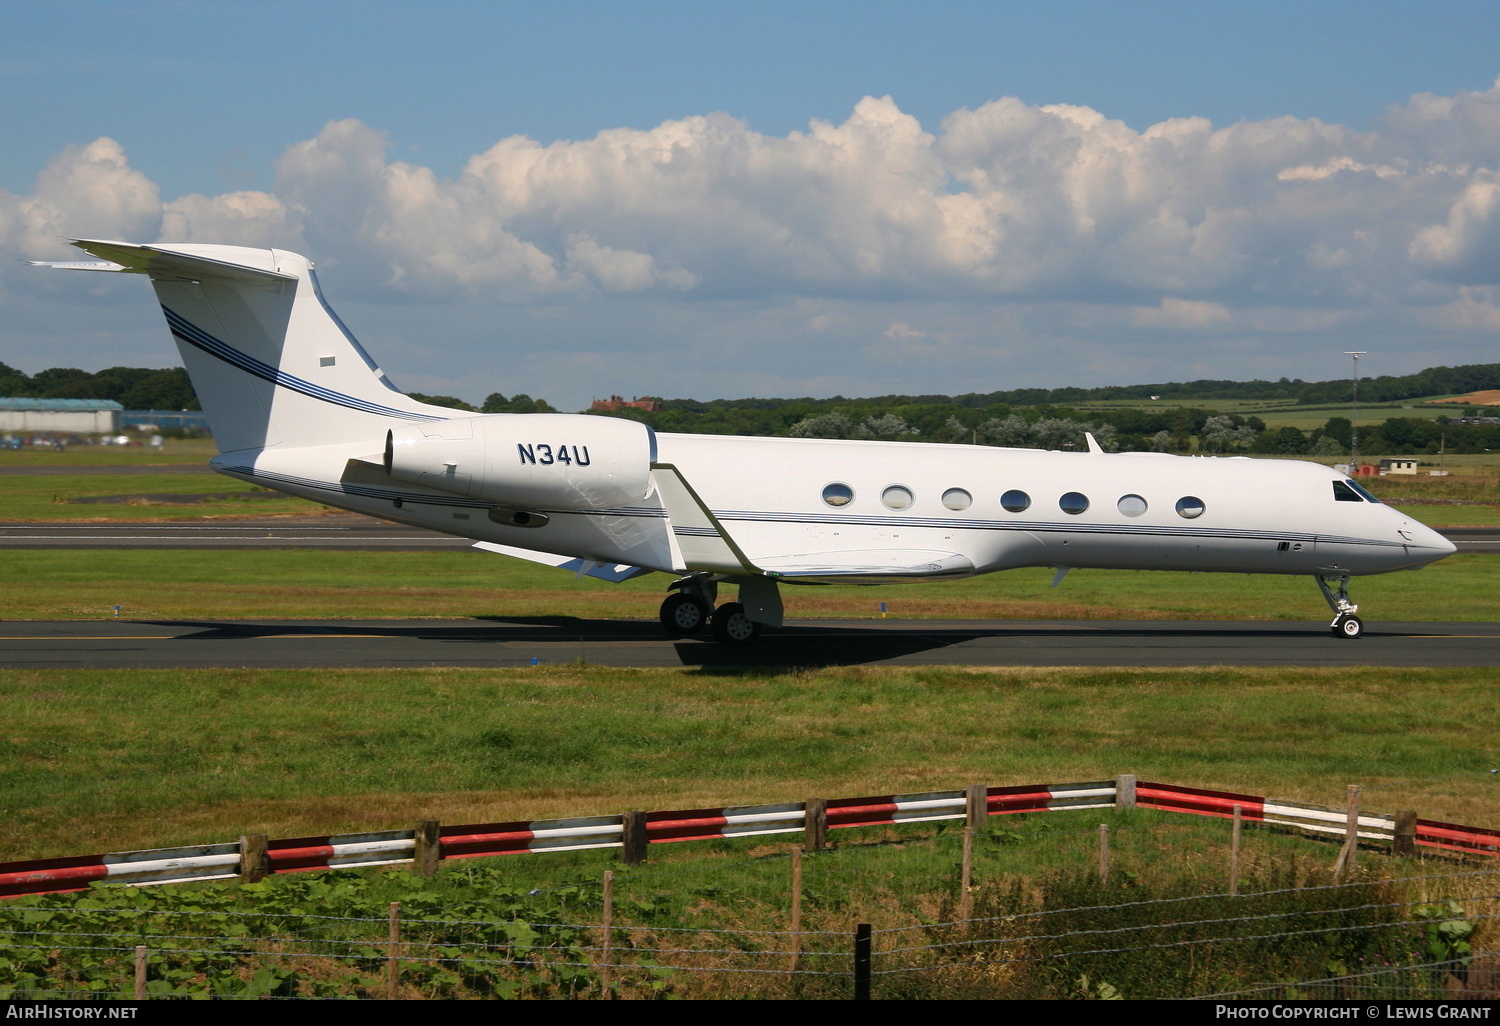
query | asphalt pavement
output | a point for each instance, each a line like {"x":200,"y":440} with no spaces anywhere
{"x":502,"y":641}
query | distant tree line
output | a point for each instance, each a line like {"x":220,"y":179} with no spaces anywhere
{"x":1027,"y":418}
{"x":135,"y":388}
{"x":493,"y":403}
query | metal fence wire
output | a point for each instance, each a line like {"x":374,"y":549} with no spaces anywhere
{"x":1048,"y":912}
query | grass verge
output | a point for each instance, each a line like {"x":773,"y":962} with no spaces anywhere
{"x":147,"y":584}
{"x":108,"y":760}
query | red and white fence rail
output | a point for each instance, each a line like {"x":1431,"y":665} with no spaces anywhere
{"x":633,"y":832}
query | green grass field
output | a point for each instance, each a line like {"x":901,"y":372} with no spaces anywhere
{"x":106,"y":760}
{"x":53,"y":497}
{"x":173,"y":451}
{"x":146,"y":584}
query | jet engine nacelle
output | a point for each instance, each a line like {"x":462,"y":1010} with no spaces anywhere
{"x":536,"y":460}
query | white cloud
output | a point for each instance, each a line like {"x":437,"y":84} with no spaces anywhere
{"x":1181,"y":313}
{"x":84,"y":192}
{"x":1041,"y":227}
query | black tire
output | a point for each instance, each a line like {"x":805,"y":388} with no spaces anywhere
{"x":732,"y":627}
{"x":1350,"y":627}
{"x":683,"y":615}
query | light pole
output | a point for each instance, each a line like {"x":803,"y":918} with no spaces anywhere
{"x":1354,"y":416}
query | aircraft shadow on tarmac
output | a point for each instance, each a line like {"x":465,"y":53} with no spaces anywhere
{"x":797,"y":645}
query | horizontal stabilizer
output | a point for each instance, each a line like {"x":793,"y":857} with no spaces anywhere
{"x":869,"y":563}
{"x":183,"y":261}
{"x":612,"y":572}
{"x":79,"y":265}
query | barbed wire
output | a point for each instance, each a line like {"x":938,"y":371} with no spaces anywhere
{"x":1425,"y":967}
{"x":1197,"y":897}
{"x":1172,"y":944}
{"x":1178,"y":924}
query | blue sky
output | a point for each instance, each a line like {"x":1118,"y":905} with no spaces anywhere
{"x":899,"y":251}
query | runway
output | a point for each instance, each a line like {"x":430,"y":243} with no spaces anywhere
{"x":512,"y":642}
{"x":338,"y":531}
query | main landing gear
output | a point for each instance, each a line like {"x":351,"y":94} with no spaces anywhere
{"x":1345,"y":624}
{"x":689,"y":610}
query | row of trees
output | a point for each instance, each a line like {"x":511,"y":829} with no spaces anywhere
{"x":975,"y":419}
{"x":135,"y":388}
{"x":1170,"y":429}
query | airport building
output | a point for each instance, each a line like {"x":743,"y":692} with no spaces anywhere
{"x":61,"y":416}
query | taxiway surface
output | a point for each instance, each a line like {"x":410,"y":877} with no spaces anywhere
{"x":189,"y":644}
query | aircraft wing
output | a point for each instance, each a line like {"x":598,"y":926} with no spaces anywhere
{"x":868,"y":564}
{"x":612,"y":572}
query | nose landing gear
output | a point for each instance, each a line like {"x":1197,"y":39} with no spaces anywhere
{"x":1345,"y":624}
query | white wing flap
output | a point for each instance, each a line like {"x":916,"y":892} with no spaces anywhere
{"x":612,"y":572}
{"x":869,"y":563}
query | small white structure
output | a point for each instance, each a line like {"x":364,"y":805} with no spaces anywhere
{"x":1400,"y":466}
{"x":61,"y":416}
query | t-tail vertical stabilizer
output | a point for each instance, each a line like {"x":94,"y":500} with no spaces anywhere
{"x":271,"y":362}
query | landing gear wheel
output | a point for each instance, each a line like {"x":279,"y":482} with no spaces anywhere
{"x":1349,"y":626}
{"x":684,"y":615}
{"x":732,"y":627}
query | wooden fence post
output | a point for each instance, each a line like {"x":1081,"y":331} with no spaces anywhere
{"x":255,"y":862}
{"x":1125,"y":791}
{"x":1404,"y":839}
{"x":633,"y":830}
{"x":976,"y":806}
{"x":1350,"y":849}
{"x":392,"y":949}
{"x":796,"y":908}
{"x":815,"y":824}
{"x":606,"y":947}
{"x":966,"y":878}
{"x":140,"y":972}
{"x":1234,"y":854}
{"x":1103,"y":852}
{"x":429,"y":847}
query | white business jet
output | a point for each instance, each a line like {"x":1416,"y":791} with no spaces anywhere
{"x":296,"y":404}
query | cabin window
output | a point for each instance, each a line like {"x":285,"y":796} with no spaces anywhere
{"x":957,"y":498}
{"x":896,"y":497}
{"x":1343,"y":493}
{"x":1073,"y":503}
{"x":1015,"y":501}
{"x":1190,"y":507}
{"x":838,"y":494}
{"x":1131,"y":505}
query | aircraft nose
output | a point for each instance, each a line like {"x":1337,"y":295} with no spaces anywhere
{"x":1420,"y":536}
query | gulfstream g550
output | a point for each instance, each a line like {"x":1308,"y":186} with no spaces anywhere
{"x":297,"y":405}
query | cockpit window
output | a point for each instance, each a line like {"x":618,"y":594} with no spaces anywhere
{"x":1363,"y":491}
{"x":1344,"y":491}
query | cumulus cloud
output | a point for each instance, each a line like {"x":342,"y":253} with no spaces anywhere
{"x":1281,"y":225}
{"x":89,"y":191}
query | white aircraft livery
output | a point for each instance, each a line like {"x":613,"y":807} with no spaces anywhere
{"x":296,"y":404}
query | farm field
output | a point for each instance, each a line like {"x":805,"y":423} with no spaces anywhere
{"x":306,"y":583}
{"x":112,"y":760}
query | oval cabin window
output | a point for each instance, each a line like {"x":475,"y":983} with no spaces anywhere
{"x":1073,"y":503}
{"x":896,"y":497}
{"x":838,"y":494}
{"x":1015,"y":501}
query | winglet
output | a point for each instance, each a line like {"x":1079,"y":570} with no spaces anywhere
{"x":1094,"y":445}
